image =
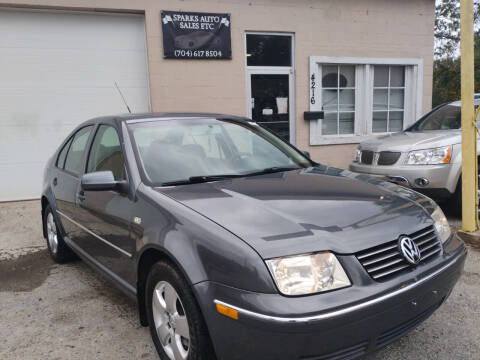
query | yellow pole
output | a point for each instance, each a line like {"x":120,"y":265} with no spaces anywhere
{"x":469,"y":141}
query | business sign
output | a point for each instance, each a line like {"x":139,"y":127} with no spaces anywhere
{"x":192,"y":35}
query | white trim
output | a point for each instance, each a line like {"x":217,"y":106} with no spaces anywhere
{"x":342,"y":139}
{"x":419,"y":107}
{"x":364,"y":95}
{"x":344,"y":311}
{"x":95,"y":235}
{"x":364,"y":61}
{"x":268,"y":70}
{"x":410,"y":97}
{"x":149,"y":90}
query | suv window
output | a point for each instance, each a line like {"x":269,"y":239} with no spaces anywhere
{"x":74,"y":160}
{"x":448,"y":117}
{"x":63,"y":154}
{"x":106,"y":153}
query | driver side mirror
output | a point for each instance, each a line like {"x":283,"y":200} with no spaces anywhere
{"x":307,"y":154}
{"x":101,"y":181}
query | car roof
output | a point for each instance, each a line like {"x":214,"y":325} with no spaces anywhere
{"x":459,"y":103}
{"x":144,"y":117}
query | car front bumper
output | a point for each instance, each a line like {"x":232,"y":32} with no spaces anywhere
{"x":341,"y":324}
{"x":442,"y":179}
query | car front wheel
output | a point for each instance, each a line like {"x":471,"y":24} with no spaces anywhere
{"x":176,"y":323}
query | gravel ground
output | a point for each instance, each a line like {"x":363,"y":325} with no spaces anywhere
{"x":50,"y":311}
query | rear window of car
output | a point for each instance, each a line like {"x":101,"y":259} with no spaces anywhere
{"x":63,"y":154}
{"x":75,"y":155}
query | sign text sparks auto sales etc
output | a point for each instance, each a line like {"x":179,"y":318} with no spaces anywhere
{"x":189,"y":35}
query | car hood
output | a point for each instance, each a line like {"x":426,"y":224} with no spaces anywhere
{"x":302,"y":211}
{"x":408,"y":140}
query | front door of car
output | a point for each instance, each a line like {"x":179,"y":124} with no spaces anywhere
{"x":107,"y":214}
{"x":66,"y":180}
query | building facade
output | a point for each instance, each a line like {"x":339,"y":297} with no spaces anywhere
{"x":367,"y":64}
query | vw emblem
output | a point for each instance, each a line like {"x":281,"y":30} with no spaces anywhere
{"x":409,"y":250}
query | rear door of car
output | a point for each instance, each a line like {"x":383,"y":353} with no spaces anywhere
{"x":107,"y":214}
{"x":66,"y":180}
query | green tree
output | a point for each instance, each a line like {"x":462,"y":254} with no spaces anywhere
{"x":446,"y":67}
{"x":447,"y":26}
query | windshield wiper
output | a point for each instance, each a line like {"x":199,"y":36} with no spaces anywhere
{"x":200,"y":179}
{"x":207,"y":178}
{"x":272,"y":170}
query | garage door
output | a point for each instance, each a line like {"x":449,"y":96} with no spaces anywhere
{"x":58,"y":69}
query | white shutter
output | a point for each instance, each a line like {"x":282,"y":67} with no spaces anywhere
{"x":410,"y":114}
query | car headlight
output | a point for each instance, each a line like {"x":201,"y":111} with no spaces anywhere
{"x":441,"y":155}
{"x":308,"y":274}
{"x":358,"y":155}
{"x":441,"y":224}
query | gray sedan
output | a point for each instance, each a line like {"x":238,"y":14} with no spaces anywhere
{"x":237,"y":246}
{"x":427,"y":156}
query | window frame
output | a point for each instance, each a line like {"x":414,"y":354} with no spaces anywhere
{"x":90,"y":146}
{"x":364,"y":83}
{"x":87,"y":146}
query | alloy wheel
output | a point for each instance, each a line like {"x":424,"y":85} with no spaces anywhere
{"x":52,"y":233}
{"x":170,"y":321}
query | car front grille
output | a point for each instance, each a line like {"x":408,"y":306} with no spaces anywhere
{"x":388,"y":157}
{"x":384,"y":261}
{"x":384,"y":157}
{"x":367,"y":157}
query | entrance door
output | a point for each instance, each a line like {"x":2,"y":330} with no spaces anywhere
{"x":270,"y":99}
{"x":270,"y":82}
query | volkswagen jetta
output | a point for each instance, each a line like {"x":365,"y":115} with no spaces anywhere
{"x":238,"y":246}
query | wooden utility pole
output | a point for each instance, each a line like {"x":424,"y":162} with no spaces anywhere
{"x":469,"y":134}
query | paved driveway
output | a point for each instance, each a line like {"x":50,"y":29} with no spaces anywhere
{"x":50,"y":311}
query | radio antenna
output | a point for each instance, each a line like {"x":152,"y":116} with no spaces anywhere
{"x":123,"y":98}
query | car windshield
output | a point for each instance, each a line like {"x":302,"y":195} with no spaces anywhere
{"x":194,"y":150}
{"x":447,"y":117}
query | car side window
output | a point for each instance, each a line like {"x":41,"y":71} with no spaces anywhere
{"x":63,"y":154}
{"x":74,"y":160}
{"x":106,"y":153}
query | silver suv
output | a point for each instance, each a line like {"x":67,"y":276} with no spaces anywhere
{"x":427,"y":156}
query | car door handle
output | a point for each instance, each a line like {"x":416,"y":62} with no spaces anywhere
{"x":81,"y":196}
{"x":55,"y":182}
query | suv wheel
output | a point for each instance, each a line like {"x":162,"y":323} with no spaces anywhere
{"x":456,"y":200}
{"x":176,"y":323}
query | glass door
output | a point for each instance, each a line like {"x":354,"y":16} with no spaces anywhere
{"x":270,"y":101}
{"x":270,"y":82}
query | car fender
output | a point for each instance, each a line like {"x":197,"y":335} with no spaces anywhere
{"x":201,"y":249}
{"x":48,"y":198}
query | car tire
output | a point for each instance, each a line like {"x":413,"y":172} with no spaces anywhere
{"x":58,"y":249}
{"x":456,"y":200}
{"x":174,"y":315}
